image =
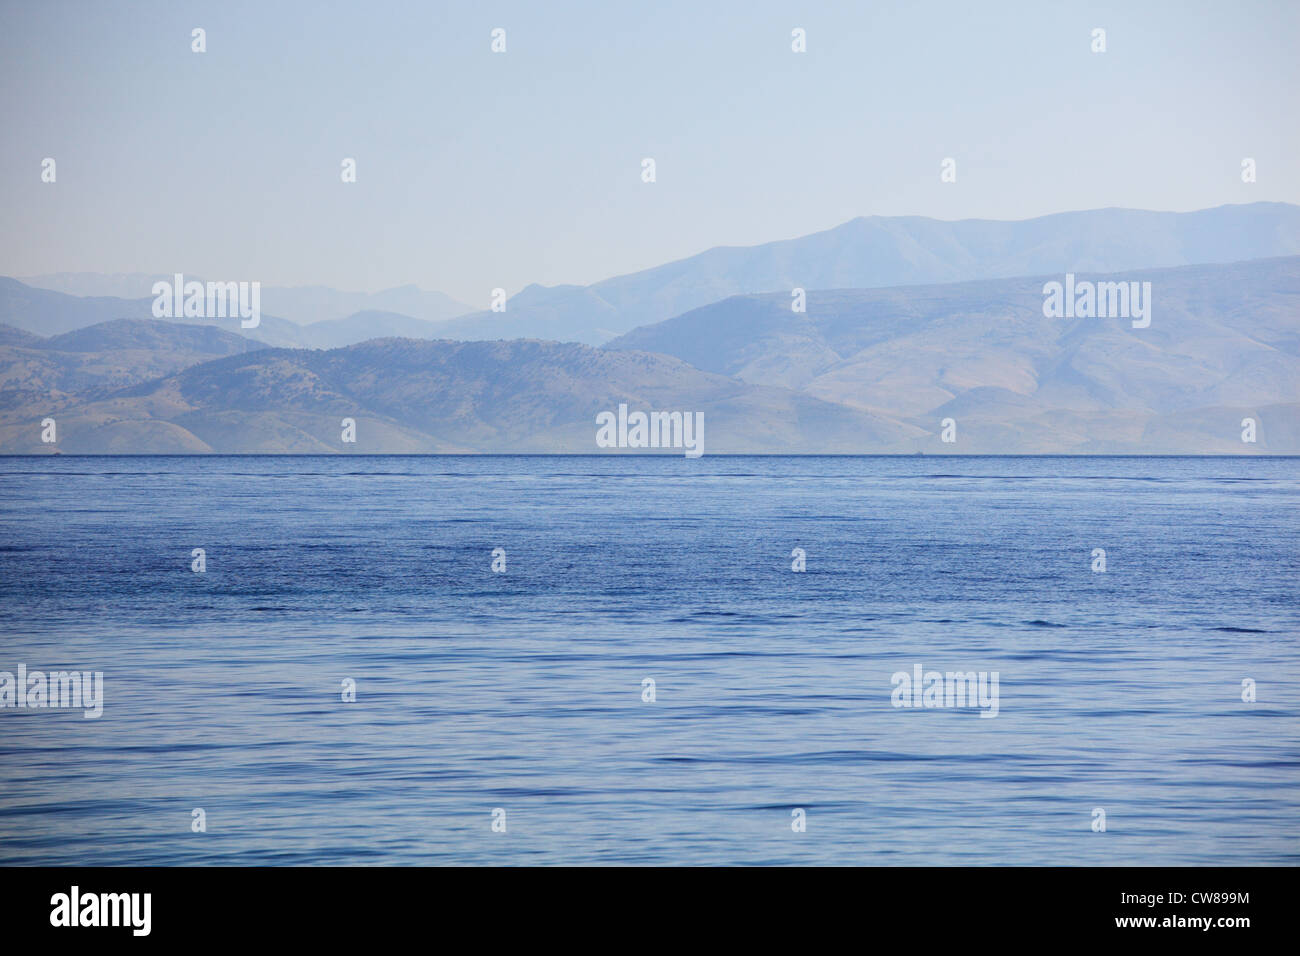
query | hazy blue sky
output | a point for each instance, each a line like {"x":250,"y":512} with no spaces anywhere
{"x":478,"y":170}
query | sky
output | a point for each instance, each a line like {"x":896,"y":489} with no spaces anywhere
{"x":478,"y":170}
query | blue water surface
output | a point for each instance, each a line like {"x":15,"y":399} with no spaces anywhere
{"x":523,"y":690}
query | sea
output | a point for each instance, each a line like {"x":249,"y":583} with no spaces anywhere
{"x":637,"y":660}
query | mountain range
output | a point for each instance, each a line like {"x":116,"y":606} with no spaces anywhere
{"x":1223,"y":344}
{"x":872,"y":365}
{"x":409,"y":396}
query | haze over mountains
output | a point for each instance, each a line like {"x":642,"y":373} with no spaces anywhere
{"x":300,"y":304}
{"x":870,"y":368}
{"x":864,"y":253}
{"x":44,"y":312}
{"x":876,"y":252}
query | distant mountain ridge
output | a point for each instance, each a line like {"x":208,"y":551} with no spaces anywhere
{"x":300,"y":304}
{"x":868,"y":252}
{"x":43,"y":312}
{"x":878,"y":252}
